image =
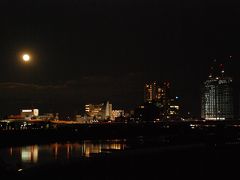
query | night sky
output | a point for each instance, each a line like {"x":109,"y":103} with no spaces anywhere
{"x":90,"y":51}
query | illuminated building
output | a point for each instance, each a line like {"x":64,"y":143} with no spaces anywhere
{"x":49,"y":116}
{"x":29,"y":113}
{"x":93,"y":110}
{"x":83,"y":119}
{"x":99,"y":111}
{"x":174,"y":108}
{"x":117,"y":113}
{"x":159,"y":96}
{"x":152,"y":92}
{"x":217,"y":96}
{"x":165,"y":96}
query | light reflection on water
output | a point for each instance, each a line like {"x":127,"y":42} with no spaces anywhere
{"x":27,"y":156}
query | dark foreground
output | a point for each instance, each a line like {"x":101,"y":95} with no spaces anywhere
{"x":189,"y":153}
{"x":182,"y":162}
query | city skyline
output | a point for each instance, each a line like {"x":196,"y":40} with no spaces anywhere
{"x":119,"y":89}
{"x":110,"y":54}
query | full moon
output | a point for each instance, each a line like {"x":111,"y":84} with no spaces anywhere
{"x":26,"y":57}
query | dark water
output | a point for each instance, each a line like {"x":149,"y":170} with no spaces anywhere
{"x":28,"y":156}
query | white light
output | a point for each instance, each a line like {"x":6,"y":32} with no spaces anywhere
{"x":26,"y":57}
{"x":26,"y":110}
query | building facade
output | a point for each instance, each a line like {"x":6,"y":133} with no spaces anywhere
{"x":152,"y":92}
{"x":117,"y":113}
{"x":217,"y":97}
{"x":29,"y":113}
{"x":99,"y":111}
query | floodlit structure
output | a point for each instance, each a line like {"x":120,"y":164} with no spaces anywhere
{"x":117,"y":113}
{"x":217,"y":96}
{"x":29,"y":113}
{"x":99,"y":111}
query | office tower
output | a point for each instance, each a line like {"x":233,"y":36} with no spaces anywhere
{"x":152,"y":92}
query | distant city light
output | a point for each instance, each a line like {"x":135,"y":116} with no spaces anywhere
{"x":177,"y":97}
{"x":26,"y":110}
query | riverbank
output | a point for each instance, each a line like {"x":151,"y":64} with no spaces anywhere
{"x":179,"y":132}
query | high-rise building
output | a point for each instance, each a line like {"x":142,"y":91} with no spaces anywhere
{"x":174,"y":108}
{"x":159,"y":95}
{"x":217,"y":95}
{"x":154,"y":92}
{"x":166,"y":92}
